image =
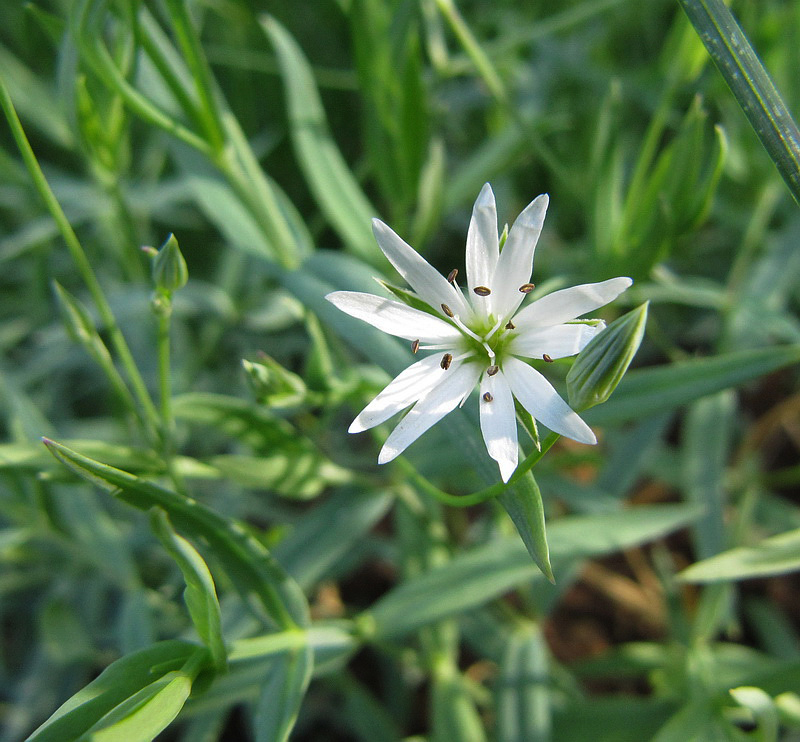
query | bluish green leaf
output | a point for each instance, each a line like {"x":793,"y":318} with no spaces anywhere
{"x":331,"y":181}
{"x":282,"y":692}
{"x":200,"y":594}
{"x":249,"y":565}
{"x":118,"y":682}
{"x":773,"y":556}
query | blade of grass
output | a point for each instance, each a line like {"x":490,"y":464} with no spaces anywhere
{"x":750,"y":84}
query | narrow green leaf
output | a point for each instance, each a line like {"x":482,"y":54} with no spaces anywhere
{"x":119,"y":681}
{"x":281,"y":694}
{"x":772,"y":556}
{"x":750,"y":84}
{"x":481,"y":574}
{"x":200,"y":594}
{"x":455,"y":717}
{"x":335,"y":188}
{"x":328,"y":532}
{"x":523,"y":503}
{"x":523,"y":691}
{"x":143,"y":716}
{"x":646,"y":392}
{"x":249,"y":565}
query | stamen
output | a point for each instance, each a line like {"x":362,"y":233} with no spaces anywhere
{"x":493,"y":331}
{"x":482,"y":290}
{"x":414,"y":346}
{"x":447,"y":359}
{"x":526,"y":288}
{"x":492,"y":370}
{"x":510,"y":325}
{"x":487,"y":397}
{"x":451,"y":276}
{"x":447,"y":310}
{"x":546,"y":358}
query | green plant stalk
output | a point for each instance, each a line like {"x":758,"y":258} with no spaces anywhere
{"x":463,"y":501}
{"x":167,"y":427}
{"x":201,"y":74}
{"x":750,"y":84}
{"x":149,"y":28}
{"x":103,"y":65}
{"x":492,"y":80}
{"x":150,"y":418}
{"x":240,"y":166}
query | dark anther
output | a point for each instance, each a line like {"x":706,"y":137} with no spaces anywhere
{"x":546,"y":358}
{"x":414,"y":346}
{"x":451,"y":276}
{"x":526,"y":288}
{"x":492,"y":370}
{"x":482,"y":290}
{"x":447,"y":310}
{"x":510,"y":325}
{"x":487,"y":397}
{"x":447,"y":359}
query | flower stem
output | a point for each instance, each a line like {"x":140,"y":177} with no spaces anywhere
{"x":462,"y":501}
{"x":148,"y":413}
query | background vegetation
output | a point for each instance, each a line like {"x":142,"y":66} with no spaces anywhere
{"x":352,"y":604}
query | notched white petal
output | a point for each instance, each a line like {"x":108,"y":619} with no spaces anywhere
{"x":515,"y":265}
{"x":560,"y":341}
{"x":482,"y":244}
{"x":499,"y":423}
{"x":538,"y":397}
{"x":394,"y":318}
{"x":568,"y":304}
{"x":430,"y":285}
{"x":456,"y":384}
{"x":406,"y":388}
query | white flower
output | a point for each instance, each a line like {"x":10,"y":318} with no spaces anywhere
{"x":480,"y":337}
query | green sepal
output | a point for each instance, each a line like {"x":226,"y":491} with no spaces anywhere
{"x":601,"y":365}
{"x":274,"y":385}
{"x":408,"y":297}
{"x":169,"y":267}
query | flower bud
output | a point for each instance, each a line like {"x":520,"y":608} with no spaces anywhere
{"x":274,"y":385}
{"x":169,"y":268}
{"x":601,"y":365}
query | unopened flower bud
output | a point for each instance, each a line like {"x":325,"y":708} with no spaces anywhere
{"x":601,"y":365}
{"x":169,"y":268}
{"x":274,"y":385}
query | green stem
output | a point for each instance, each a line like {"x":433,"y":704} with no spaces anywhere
{"x":201,"y":74}
{"x":81,"y":262}
{"x":750,"y":84}
{"x":164,"y":313}
{"x":104,"y":66}
{"x":462,"y":501}
{"x":492,"y":80}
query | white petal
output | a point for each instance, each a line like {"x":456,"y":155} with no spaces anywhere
{"x":405,"y":389}
{"x":456,"y":383}
{"x":482,"y":247}
{"x":538,"y":397}
{"x":562,"y":306}
{"x":499,"y":423}
{"x":431,"y":286}
{"x":559,"y":341}
{"x":394,"y":318}
{"x":515,"y":265}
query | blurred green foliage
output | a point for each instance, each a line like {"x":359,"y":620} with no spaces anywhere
{"x":283,"y":581}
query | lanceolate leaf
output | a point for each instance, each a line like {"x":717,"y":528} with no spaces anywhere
{"x":645,"y":392}
{"x":331,"y":181}
{"x":118,"y":682}
{"x":250,"y":567}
